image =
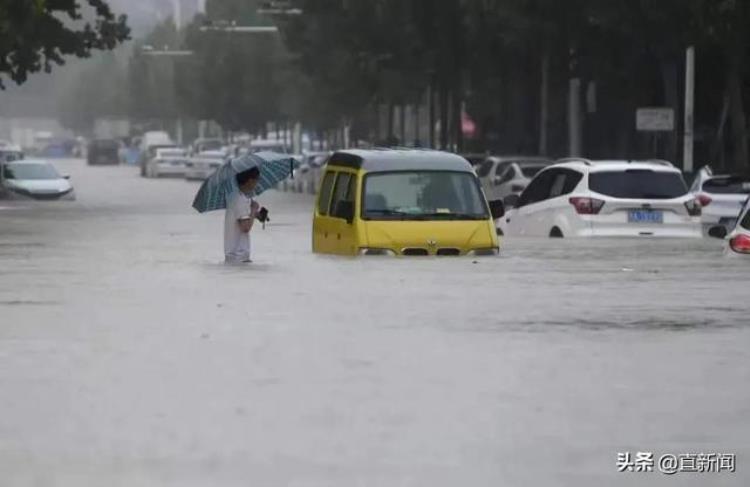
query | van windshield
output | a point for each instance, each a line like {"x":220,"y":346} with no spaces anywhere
{"x":423,"y":195}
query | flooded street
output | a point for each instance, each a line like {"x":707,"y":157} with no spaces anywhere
{"x":131,"y":356}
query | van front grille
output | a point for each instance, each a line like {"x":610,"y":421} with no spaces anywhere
{"x":415,"y":251}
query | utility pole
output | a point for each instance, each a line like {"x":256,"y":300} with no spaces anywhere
{"x":574,"y":118}
{"x":544,"y":108}
{"x":575,"y":122}
{"x":689,"y":110}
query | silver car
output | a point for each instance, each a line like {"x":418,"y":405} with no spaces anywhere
{"x":35,"y":179}
{"x":505,"y":176}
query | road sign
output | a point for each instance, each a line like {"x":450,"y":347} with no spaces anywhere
{"x":654,"y":120}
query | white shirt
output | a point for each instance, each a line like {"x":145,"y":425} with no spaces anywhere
{"x":236,"y":242}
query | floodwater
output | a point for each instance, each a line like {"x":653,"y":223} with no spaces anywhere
{"x":130,"y":356}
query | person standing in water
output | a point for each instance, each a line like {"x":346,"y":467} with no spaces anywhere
{"x":241,"y":213}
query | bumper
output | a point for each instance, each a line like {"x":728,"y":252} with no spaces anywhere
{"x":638,"y":231}
{"x":196,"y":174}
{"x":169,"y":170}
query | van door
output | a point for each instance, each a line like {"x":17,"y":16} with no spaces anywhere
{"x":322,"y":242}
{"x":343,"y":227}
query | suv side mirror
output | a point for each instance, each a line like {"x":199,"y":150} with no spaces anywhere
{"x":345,"y":211}
{"x":511,"y":200}
{"x":719,"y":232}
{"x":497,"y":209}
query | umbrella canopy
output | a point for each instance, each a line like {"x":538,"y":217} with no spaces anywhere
{"x":215,"y":190}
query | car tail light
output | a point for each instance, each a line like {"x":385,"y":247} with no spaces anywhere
{"x":740,"y":244}
{"x":587,"y":206}
{"x":704,"y":200}
{"x":694,"y":207}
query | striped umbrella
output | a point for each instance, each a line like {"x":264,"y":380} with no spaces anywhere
{"x":215,"y":190}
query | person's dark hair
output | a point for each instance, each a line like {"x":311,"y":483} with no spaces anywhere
{"x":246,"y":176}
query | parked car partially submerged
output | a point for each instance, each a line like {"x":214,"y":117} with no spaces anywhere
{"x":9,"y":153}
{"x":502,"y":176}
{"x":738,"y":238}
{"x":103,"y":152}
{"x":584,"y":198}
{"x":721,"y":196}
{"x":403,"y":202}
{"x":35,"y":179}
{"x":201,"y":166}
{"x":167,"y":162}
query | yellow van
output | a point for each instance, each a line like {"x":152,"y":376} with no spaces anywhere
{"x":403,"y":202}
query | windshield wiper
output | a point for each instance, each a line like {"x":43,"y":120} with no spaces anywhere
{"x":455,"y":216}
{"x":384,"y":212}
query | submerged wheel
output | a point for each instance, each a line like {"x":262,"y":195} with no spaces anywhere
{"x":555,"y":233}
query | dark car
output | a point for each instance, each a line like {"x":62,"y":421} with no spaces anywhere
{"x":104,"y":151}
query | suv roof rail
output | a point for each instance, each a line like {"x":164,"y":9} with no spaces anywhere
{"x":573,"y":159}
{"x":661,"y":162}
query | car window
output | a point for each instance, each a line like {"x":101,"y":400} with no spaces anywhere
{"x":638,"y":184}
{"x":509,"y":175}
{"x":745,"y":223}
{"x":342,"y":191}
{"x":538,"y":190}
{"x":325,"y":193}
{"x":485,"y":168}
{"x":727,"y":185}
{"x":500,"y":169}
{"x":558,"y":185}
{"x":572,"y":179}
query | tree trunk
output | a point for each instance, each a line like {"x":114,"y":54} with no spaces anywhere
{"x":432,"y":114}
{"x":403,"y":124}
{"x":444,"y":120}
{"x":737,"y":115}
{"x":415,"y":114}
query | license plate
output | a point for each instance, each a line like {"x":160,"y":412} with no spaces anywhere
{"x":645,"y":216}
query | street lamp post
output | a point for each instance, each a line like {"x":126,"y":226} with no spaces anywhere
{"x":173,"y":54}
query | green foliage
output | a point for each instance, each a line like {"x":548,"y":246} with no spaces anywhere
{"x":35,"y":35}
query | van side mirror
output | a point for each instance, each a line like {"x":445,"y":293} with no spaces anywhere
{"x":511,"y":200}
{"x":719,"y":232}
{"x":497,"y":209}
{"x":345,"y":211}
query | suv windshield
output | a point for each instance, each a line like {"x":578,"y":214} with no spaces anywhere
{"x":638,"y":184}
{"x":30,"y":171}
{"x":727,"y":185}
{"x":423,"y":195}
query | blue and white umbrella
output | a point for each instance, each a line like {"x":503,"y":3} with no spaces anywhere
{"x":217,"y":189}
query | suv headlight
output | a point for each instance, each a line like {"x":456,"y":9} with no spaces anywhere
{"x":484,"y":252}
{"x":370,"y":251}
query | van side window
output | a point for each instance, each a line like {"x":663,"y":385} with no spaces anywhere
{"x":326,"y":188}
{"x":343,"y":191}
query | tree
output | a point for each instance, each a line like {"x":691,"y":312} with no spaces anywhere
{"x":35,"y":35}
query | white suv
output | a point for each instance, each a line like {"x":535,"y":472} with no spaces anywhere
{"x":583,"y":198}
{"x":721,"y":196}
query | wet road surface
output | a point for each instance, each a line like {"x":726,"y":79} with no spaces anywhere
{"x":130,"y":356}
